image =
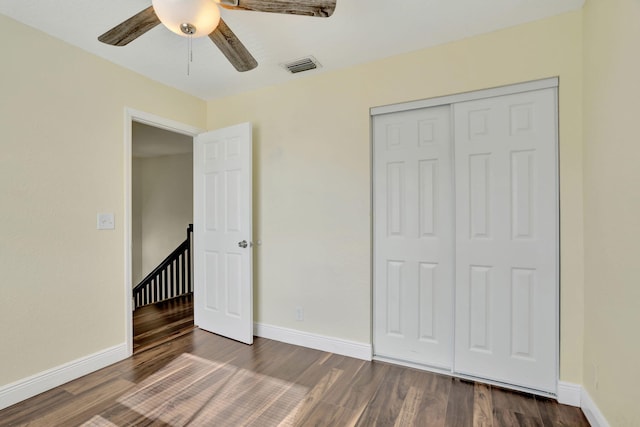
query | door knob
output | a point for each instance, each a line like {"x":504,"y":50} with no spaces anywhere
{"x":243,"y":244}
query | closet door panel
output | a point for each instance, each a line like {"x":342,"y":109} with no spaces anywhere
{"x":506,"y":239}
{"x":413,"y":237}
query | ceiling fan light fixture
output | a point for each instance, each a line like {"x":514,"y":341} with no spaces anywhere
{"x":227,"y":2}
{"x":188,"y":18}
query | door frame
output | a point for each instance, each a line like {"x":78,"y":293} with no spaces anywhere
{"x":548,"y":83}
{"x":132,"y":115}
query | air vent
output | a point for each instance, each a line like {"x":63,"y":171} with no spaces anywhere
{"x":300,"y":65}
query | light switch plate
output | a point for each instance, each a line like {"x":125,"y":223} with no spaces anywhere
{"x":106,"y":221}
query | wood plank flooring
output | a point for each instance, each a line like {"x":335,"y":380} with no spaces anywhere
{"x":201,"y":379}
{"x":161,"y":322}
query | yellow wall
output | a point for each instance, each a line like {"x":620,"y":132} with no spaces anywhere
{"x":312,"y":173}
{"x":62,"y":162}
{"x":163,"y":195}
{"x":612,"y":207}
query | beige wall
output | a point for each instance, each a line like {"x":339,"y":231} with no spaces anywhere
{"x":312,"y":172}
{"x":136,"y":220}
{"x":62,"y":123}
{"x":612,"y":207}
{"x":164,"y":201}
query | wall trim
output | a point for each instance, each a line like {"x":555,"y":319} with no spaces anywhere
{"x":576,"y":395}
{"x":569,"y":393}
{"x":547,"y":83}
{"x":25,"y":388}
{"x":10,"y":394}
{"x":591,"y":411}
{"x":348,"y":348}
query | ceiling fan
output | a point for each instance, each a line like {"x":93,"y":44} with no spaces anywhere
{"x":199,"y":18}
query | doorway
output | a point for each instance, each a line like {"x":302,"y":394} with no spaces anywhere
{"x":167,"y":132}
{"x":162,"y":212}
{"x":466,"y":235}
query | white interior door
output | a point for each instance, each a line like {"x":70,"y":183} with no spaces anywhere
{"x":413,"y":237}
{"x":223,"y":288}
{"x":506,"y":239}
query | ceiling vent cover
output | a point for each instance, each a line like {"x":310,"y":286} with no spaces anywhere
{"x":304,"y":64}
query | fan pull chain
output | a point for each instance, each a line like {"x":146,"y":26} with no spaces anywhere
{"x":189,"y":54}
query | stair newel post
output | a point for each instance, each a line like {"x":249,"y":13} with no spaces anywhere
{"x":189,"y":261}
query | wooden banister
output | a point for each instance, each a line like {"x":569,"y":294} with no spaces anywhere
{"x":170,"y":279}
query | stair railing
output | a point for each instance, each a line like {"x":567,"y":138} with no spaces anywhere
{"x":171,"y":279}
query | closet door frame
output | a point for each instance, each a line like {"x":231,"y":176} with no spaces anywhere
{"x":548,"y":83}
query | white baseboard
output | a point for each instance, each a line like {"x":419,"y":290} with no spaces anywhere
{"x":569,"y":393}
{"x":576,"y":395}
{"x":592,"y":412}
{"x":10,"y":394}
{"x":20,"y":390}
{"x":317,"y":342}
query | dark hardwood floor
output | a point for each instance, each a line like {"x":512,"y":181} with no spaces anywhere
{"x":201,"y":379}
{"x":161,"y":322}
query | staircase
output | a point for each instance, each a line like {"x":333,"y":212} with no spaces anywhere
{"x":171,"y":279}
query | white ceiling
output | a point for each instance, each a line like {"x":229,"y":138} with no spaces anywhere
{"x":359,"y":31}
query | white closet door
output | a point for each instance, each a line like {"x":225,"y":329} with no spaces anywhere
{"x":413,"y":237}
{"x":506,"y":239}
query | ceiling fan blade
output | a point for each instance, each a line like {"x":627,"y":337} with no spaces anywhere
{"x":131,"y":29}
{"x":232,"y":48}
{"x":319,"y":8}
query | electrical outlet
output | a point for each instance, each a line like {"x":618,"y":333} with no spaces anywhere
{"x":299,"y":314}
